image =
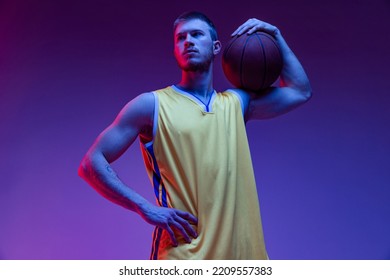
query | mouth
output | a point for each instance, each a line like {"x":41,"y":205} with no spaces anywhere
{"x":190,"y":51}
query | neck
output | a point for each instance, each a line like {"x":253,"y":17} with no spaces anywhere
{"x":197,"y":83}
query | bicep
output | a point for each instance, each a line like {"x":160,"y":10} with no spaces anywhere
{"x":118,"y":137}
{"x":273,"y":102}
{"x":114,"y":141}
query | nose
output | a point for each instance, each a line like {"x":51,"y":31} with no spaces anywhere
{"x":188,"y":40}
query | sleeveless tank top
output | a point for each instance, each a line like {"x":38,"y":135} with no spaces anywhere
{"x":199,"y":162}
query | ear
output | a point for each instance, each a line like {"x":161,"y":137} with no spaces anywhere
{"x":217,"y":46}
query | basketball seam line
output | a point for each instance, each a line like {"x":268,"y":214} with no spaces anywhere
{"x":241,"y":62}
{"x":265,"y":60}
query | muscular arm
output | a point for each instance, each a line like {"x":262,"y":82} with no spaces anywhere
{"x":111,"y":144}
{"x":294,"y":89}
{"x":134,"y":120}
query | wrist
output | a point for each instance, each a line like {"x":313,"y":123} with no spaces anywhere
{"x":143,"y":207}
{"x":278,"y":34}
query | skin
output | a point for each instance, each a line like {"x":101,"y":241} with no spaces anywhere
{"x":194,"y":35}
{"x":194,"y":51}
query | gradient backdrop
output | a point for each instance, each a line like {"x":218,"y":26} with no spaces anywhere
{"x":68,"y":67}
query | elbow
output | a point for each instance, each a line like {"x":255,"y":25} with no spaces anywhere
{"x":84,"y":166}
{"x":306,"y":92}
{"x":81,"y":169}
{"x":301,"y":89}
{"x":302,"y":97}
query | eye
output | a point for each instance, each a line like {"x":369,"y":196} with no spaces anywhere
{"x":180,"y":37}
{"x":197,"y":33}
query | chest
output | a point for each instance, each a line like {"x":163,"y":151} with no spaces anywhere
{"x":182,"y":118}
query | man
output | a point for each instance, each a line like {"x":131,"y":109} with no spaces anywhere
{"x":195,"y":150}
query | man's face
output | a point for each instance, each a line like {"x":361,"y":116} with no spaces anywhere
{"x":194,"y":49}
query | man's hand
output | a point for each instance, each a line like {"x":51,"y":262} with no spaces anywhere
{"x":295,"y":87}
{"x":170,"y":219}
{"x":253,"y":25}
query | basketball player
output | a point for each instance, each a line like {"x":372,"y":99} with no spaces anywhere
{"x":196,"y":151}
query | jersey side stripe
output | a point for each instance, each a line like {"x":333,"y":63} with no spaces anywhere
{"x":157,"y":181}
{"x":156,"y":242}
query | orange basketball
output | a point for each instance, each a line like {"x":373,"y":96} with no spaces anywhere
{"x":252,"y":62}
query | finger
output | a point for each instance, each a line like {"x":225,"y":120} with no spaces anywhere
{"x":187,"y":216}
{"x":253,"y":30}
{"x":189,"y":229}
{"x":236,"y":31}
{"x":244,"y":29}
{"x":180,"y":228}
{"x":171,"y":235}
{"x":267,"y":28}
{"x":241,"y":27}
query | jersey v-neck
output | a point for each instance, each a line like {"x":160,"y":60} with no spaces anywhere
{"x":206,"y":107}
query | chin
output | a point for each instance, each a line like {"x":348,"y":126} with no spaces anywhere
{"x":195,"y":66}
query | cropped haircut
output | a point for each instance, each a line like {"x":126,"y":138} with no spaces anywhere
{"x":197,"y":15}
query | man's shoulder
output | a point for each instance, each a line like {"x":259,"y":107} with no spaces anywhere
{"x":237,"y":96}
{"x":240,"y":93}
{"x":140,"y":107}
{"x":159,"y":91}
{"x":145,"y":99}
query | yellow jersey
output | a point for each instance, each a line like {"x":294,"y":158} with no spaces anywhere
{"x":199,"y":162}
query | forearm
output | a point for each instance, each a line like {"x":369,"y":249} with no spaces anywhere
{"x":293,"y":75}
{"x":98,"y":173}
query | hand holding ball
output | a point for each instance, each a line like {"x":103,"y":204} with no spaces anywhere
{"x":252,"y":62}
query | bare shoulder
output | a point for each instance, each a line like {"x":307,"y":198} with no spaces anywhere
{"x":139,"y":107}
{"x":138,"y":114}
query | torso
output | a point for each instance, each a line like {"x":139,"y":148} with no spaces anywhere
{"x":199,"y":162}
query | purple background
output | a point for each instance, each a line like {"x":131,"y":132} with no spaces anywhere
{"x":68,"y":67}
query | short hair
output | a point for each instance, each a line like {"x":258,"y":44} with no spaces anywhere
{"x":197,"y":15}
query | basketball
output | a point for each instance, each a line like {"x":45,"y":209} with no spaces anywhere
{"x":252,"y":62}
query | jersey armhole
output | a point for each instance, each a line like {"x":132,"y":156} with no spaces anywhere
{"x":240,"y":99}
{"x":155,"y":120}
